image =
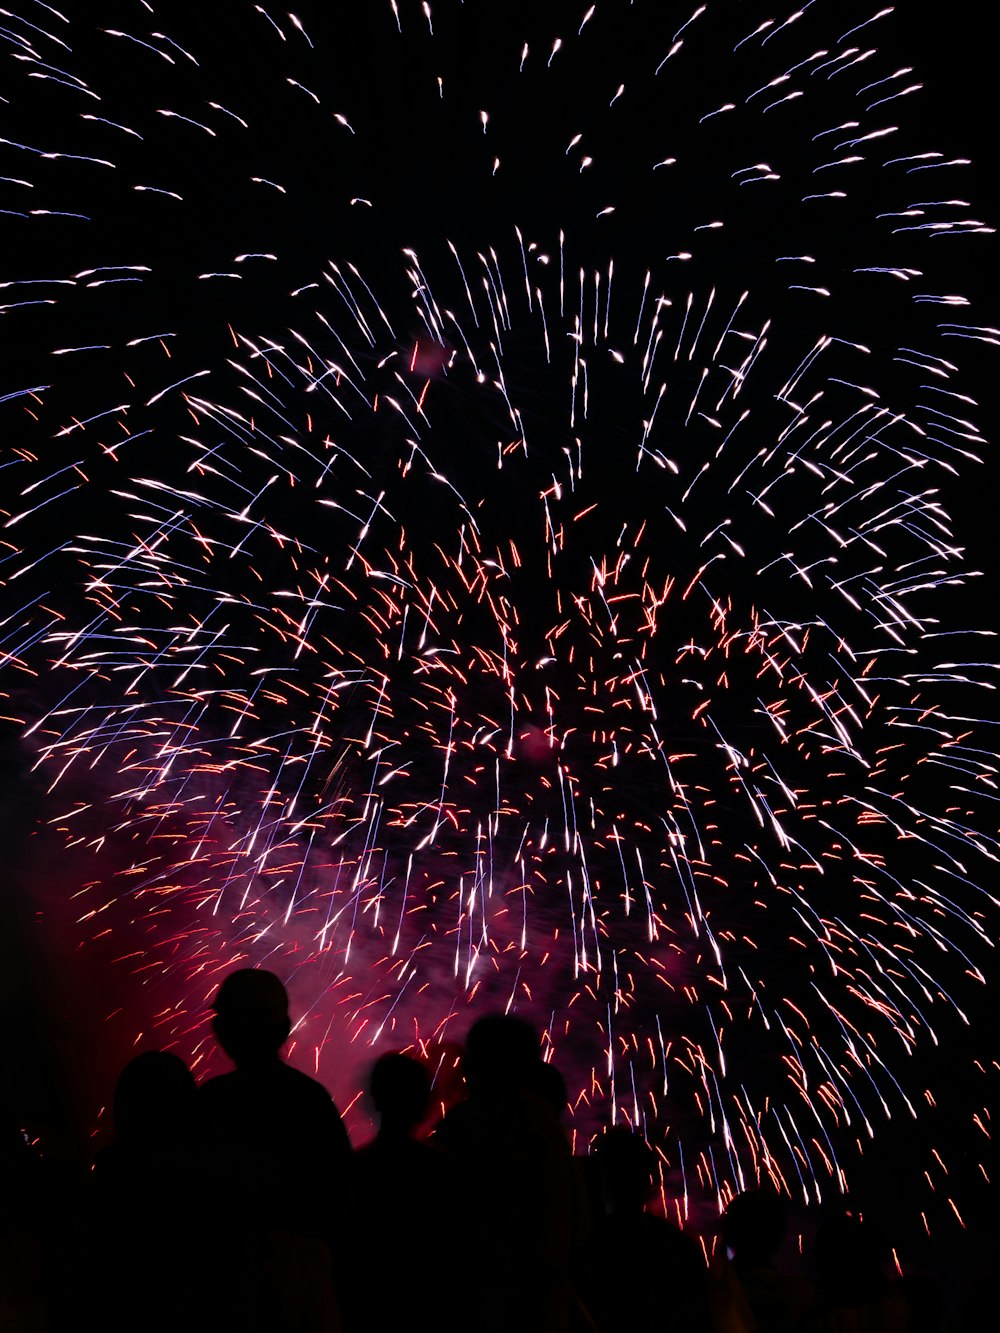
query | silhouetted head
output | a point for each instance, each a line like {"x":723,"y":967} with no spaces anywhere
{"x":549,"y":1084}
{"x":625,"y":1163}
{"x":251,"y":1016}
{"x":501,"y":1054}
{"x":400,"y":1090}
{"x":754,"y":1226}
{"x":154,"y":1099}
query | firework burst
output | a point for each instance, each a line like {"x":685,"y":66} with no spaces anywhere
{"x":476,"y":540}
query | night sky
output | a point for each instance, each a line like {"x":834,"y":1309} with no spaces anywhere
{"x":495,"y":521}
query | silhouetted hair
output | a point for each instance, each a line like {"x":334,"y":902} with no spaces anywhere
{"x":400,"y":1089}
{"x":251,"y":1014}
{"x":626,"y":1164}
{"x":154,"y":1098}
{"x":549,"y":1084}
{"x":501,"y":1051}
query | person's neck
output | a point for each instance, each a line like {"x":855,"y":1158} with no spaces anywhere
{"x":258,"y":1063}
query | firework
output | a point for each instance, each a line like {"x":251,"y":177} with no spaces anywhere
{"x":477,"y":539}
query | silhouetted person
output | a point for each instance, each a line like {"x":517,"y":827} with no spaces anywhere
{"x":550,"y":1086}
{"x":280,"y":1155}
{"x":42,"y":1189}
{"x":517,"y":1180}
{"x":403,"y":1244}
{"x":638,"y":1271}
{"x":152,"y":1113}
{"x":276,"y":1132}
{"x":753,"y":1228}
{"x":23,"y":1295}
{"x":400,"y":1092}
{"x":143,"y":1262}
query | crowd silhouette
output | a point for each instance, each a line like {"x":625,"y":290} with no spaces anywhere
{"x":240,"y":1204}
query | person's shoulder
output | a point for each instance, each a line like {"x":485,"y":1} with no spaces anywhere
{"x":669,"y":1233}
{"x":312,"y":1100}
{"x":301,"y":1084}
{"x":220,"y":1085}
